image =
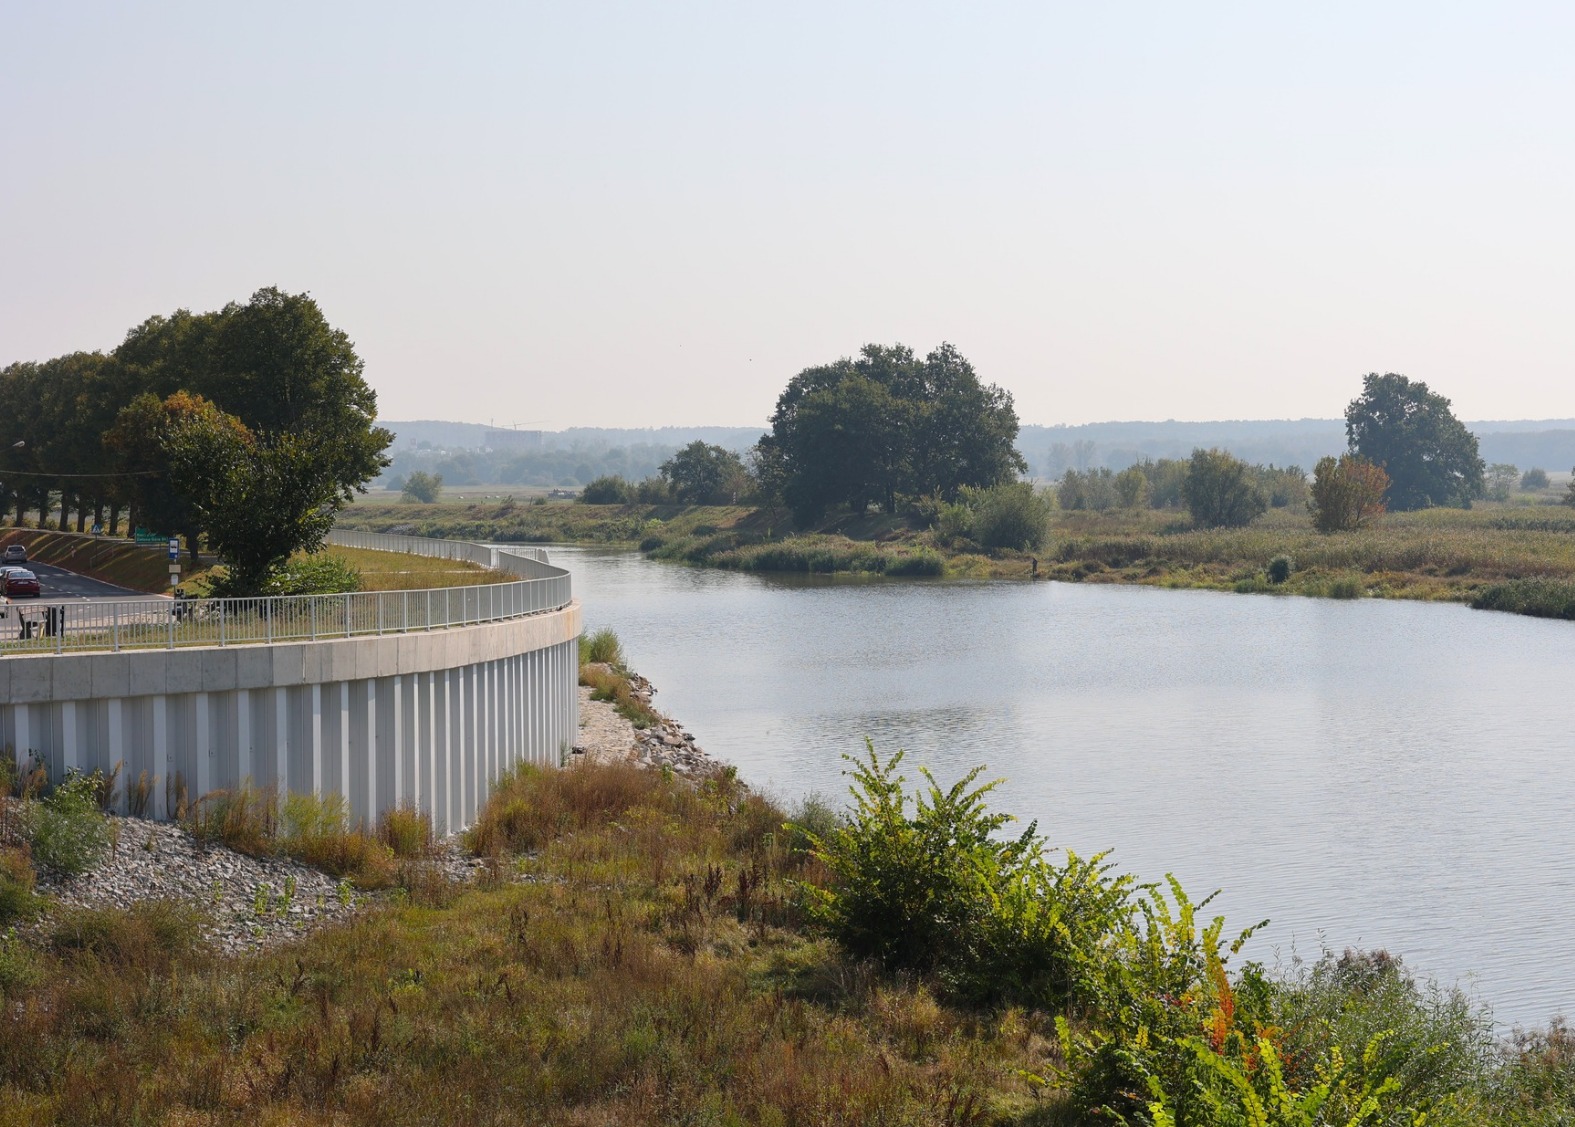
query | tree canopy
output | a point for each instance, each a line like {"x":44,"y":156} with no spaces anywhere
{"x":887,"y":425}
{"x":703,"y":474}
{"x":1221,"y":491}
{"x":256,"y":413}
{"x":1346,"y":493}
{"x":1414,"y":437}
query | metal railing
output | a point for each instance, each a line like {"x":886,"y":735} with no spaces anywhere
{"x":158,"y":623}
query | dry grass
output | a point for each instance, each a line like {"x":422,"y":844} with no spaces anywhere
{"x":316,"y":831}
{"x":396,"y":571}
{"x":610,"y":683}
{"x":652,"y":970}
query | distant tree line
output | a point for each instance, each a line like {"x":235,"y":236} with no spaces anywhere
{"x":564,"y":466}
{"x":249,"y":427}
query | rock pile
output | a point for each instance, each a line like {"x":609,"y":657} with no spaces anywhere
{"x":250,"y":902}
{"x":605,"y":735}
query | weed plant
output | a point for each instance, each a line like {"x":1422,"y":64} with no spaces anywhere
{"x":67,"y":830}
{"x":316,"y":831}
{"x":1544,"y":598}
{"x":657,"y":966}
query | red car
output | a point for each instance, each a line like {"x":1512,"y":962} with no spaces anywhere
{"x":21,"y":584}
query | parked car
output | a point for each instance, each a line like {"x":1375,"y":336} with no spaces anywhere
{"x":21,"y":584}
{"x":15,"y":553}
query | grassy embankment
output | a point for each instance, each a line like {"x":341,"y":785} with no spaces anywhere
{"x":1508,"y":557}
{"x":638,"y":952}
{"x":112,"y":561}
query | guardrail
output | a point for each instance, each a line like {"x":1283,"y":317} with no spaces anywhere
{"x":160,"y":623}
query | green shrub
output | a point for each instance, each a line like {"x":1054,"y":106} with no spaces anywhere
{"x":1543,"y":598}
{"x":67,"y":831}
{"x":813,"y":819}
{"x":1346,"y":588}
{"x":1280,"y":568}
{"x":1221,"y":491}
{"x":602,"y":646}
{"x":1157,"y":981}
{"x":916,"y":563}
{"x":1434,"y":1042}
{"x":954,"y":522}
{"x":319,"y":573}
{"x":611,"y":489}
{"x":938,"y":890}
{"x":1010,"y":515}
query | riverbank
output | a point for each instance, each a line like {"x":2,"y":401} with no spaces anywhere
{"x":639,"y":948}
{"x":1439,"y":554}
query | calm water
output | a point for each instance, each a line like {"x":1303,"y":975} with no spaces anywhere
{"x":1371,"y":773}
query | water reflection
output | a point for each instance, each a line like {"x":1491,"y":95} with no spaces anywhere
{"x":1374,"y":773}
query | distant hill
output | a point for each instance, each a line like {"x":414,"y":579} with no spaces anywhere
{"x":472,"y":436}
{"x":572,"y":457}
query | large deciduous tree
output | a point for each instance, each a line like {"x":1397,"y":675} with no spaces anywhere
{"x":260,"y":498}
{"x":703,"y":474}
{"x":1411,"y":433}
{"x":888,"y":424}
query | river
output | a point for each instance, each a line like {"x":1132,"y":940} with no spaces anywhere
{"x":1366,"y":773}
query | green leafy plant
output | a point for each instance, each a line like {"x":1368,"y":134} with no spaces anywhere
{"x":937,"y":890}
{"x":66,"y":830}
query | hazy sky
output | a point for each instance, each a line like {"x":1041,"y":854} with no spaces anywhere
{"x":625,"y":215}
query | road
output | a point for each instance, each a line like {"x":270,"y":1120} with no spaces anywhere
{"x":61,"y":586}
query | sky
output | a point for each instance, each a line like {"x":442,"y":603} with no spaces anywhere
{"x":589,"y":214}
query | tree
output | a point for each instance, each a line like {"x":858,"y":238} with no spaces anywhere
{"x":889,"y":425}
{"x":141,"y":459}
{"x":607,"y":490}
{"x":1569,"y":496}
{"x":702,"y":474}
{"x":1132,"y":488}
{"x":1411,"y":433}
{"x":1534,"y":480}
{"x":260,"y":499}
{"x":769,"y":470}
{"x":1346,"y":493}
{"x":1499,"y":480}
{"x":1221,"y":492}
{"x":423,"y":487}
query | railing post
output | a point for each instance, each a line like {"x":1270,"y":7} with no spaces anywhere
{"x":114,"y":629}
{"x":312,"y":599}
{"x":269,"y":606}
{"x":404,"y":614}
{"x":347,"y":614}
{"x":173,"y":608}
{"x":221,"y":620}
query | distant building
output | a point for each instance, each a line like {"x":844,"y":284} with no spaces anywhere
{"x":512,"y":440}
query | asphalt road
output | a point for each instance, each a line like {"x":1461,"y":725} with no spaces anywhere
{"x":59,"y":586}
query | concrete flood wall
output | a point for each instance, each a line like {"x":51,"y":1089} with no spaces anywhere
{"x":427,"y":718}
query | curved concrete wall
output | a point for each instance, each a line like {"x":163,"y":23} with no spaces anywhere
{"x":425,"y":718}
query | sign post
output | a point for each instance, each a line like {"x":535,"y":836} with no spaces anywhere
{"x":174,"y":562}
